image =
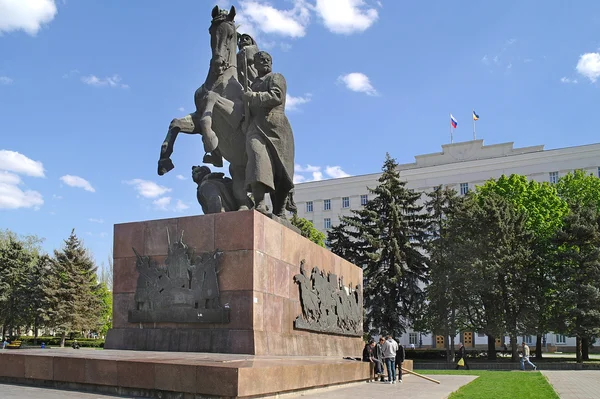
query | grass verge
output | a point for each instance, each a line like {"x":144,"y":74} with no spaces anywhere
{"x":500,"y":384}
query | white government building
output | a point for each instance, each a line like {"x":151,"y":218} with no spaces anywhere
{"x":461,"y":166}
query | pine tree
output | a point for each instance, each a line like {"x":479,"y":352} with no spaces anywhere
{"x":15,"y":265}
{"x":578,"y":254}
{"x":73,"y":302}
{"x":440,"y":314}
{"x":388,"y":240}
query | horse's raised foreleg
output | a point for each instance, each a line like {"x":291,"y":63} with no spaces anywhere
{"x":184,"y":125}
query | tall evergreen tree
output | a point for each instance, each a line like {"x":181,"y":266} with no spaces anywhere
{"x":388,"y":238}
{"x":578,"y":253}
{"x":15,"y":266}
{"x":440,"y":313}
{"x":492,"y":244}
{"x":73,"y":302}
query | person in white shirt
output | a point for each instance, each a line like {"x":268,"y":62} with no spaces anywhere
{"x":389,"y":355}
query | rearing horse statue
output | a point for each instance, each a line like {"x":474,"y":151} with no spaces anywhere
{"x":219,"y":109}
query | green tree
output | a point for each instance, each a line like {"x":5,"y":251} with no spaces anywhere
{"x":388,"y":237}
{"x":578,"y":253}
{"x":440,"y":312}
{"x":580,"y":189}
{"x":15,"y":265}
{"x":308,"y":230}
{"x":543,"y":211}
{"x":492,"y":244}
{"x":105,"y":319}
{"x":72,"y":300}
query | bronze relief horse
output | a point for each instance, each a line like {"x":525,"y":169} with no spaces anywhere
{"x":219,"y":109}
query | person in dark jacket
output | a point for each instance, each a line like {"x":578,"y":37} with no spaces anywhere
{"x":461,"y":354}
{"x":379,"y":357}
{"x":368,"y":356}
{"x":400,"y":356}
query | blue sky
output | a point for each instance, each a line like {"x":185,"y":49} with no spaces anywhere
{"x":88,"y":88}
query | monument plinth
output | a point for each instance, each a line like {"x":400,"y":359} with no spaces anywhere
{"x":272,"y":291}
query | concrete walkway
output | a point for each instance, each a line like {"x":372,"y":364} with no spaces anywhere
{"x":413,"y":387}
{"x":581,"y":384}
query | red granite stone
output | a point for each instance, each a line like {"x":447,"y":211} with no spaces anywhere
{"x":280,"y":274}
{"x":273,"y":233}
{"x":156,"y":240}
{"x":261,"y":279}
{"x":135,"y":374}
{"x":198,"y":232}
{"x":220,"y":381}
{"x":241,"y":341}
{"x":234,"y":230}
{"x":258,"y":311}
{"x":125,"y":275}
{"x":69,"y":369}
{"x":39,"y":367}
{"x":235,"y":270}
{"x":126,"y":236}
{"x":273,"y":313}
{"x":122,"y":303}
{"x":175,"y":377}
{"x":240,"y":304}
{"x":101,"y":372}
{"x":12,"y":365}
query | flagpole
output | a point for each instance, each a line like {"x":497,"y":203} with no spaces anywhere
{"x":450,"y":124}
{"x":473,"y":117}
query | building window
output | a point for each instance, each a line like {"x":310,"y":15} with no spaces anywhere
{"x":553,"y":177}
{"x":598,"y":171}
{"x":464,"y":188}
{"x":412,"y":339}
{"x":327,"y":223}
{"x":480,"y":335}
{"x":309,"y":206}
{"x":561,"y":339}
{"x":528,"y":339}
{"x":327,"y":205}
{"x":365,"y":198}
{"x":345,"y":202}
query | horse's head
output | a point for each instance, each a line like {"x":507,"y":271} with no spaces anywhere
{"x":223,"y":39}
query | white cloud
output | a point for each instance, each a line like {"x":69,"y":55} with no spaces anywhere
{"x":346,"y":16}
{"x":299,"y":178}
{"x":162,"y":203}
{"x":358,"y":82}
{"x":292,"y":103}
{"x":57,"y":197}
{"x":76,"y":181}
{"x":147,"y":188}
{"x":589,"y":66}
{"x":181,"y":177}
{"x":256,"y":16}
{"x":111,"y":81}
{"x":332,"y":172}
{"x":564,"y":79}
{"x":11,"y":195}
{"x":13,"y":161}
{"x":26,"y":15}
{"x":180,"y":206}
{"x":335,"y":172}
{"x":94,"y":220}
{"x":181,"y":109}
{"x":5,"y":80}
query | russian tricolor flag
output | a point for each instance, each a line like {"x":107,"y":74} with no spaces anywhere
{"x":453,"y":121}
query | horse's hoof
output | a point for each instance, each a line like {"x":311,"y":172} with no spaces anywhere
{"x":243,"y":208}
{"x":165,"y":165}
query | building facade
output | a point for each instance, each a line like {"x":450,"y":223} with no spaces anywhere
{"x":461,"y":166}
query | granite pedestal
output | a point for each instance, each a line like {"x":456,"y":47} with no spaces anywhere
{"x":260,"y":258}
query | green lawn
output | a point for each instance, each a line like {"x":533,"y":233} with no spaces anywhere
{"x":501,"y":384}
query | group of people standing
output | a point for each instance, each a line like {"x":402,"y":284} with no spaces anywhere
{"x":389,"y":352}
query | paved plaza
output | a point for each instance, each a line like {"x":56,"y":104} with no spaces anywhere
{"x":568,"y":385}
{"x":575,"y":384}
